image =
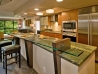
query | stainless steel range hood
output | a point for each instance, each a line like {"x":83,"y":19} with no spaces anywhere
{"x":54,"y":18}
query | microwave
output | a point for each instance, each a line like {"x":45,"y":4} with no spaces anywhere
{"x":69,"y":25}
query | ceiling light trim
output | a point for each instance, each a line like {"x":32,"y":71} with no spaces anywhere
{"x":39,"y":13}
{"x":36,"y":9}
{"x":59,"y":0}
{"x":50,"y":11}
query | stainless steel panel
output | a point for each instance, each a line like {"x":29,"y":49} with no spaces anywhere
{"x":83,"y":26}
{"x":94,"y":36}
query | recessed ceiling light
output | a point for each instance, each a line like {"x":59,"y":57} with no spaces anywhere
{"x":25,"y":13}
{"x":36,"y":9}
{"x":50,"y":11}
{"x":39,"y":13}
{"x":59,"y":0}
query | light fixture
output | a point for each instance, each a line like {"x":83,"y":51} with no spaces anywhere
{"x":59,"y":0}
{"x":39,"y":13}
{"x":36,"y":9}
{"x":50,"y":11}
{"x":4,"y":1}
{"x":25,"y":13}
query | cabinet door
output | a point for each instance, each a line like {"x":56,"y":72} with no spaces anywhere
{"x":73,"y":15}
{"x":49,"y":19}
{"x":65,"y":16}
{"x":52,"y":34}
{"x":58,"y":36}
{"x":59,"y":19}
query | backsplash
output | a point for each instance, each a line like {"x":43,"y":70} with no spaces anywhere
{"x":56,"y":27}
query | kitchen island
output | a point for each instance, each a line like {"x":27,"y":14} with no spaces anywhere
{"x":79,"y":59}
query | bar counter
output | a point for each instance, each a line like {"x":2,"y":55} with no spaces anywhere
{"x":77,"y":56}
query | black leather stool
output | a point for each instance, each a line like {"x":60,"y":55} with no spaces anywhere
{"x":10,"y":49}
{"x":4,"y":43}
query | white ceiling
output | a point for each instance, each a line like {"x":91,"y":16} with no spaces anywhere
{"x":18,"y":7}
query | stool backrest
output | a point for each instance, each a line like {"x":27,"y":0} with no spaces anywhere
{"x":1,"y":36}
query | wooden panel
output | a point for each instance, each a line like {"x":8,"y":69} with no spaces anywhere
{"x":73,"y":15}
{"x":28,"y":22}
{"x":83,"y":38}
{"x":52,"y":34}
{"x":95,"y":43}
{"x":49,"y":19}
{"x":59,"y":19}
{"x":29,"y":52}
{"x":58,"y":36}
{"x":65,"y":16}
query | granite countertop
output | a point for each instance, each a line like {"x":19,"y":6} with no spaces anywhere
{"x":77,"y":54}
{"x":53,"y":31}
{"x":86,"y":50}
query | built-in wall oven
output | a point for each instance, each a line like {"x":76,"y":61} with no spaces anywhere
{"x":69,"y":30}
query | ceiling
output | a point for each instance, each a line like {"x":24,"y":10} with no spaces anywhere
{"x":19,"y":7}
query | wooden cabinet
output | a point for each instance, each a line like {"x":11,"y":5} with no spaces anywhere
{"x":73,"y":15}
{"x":28,"y":22}
{"x":58,"y":36}
{"x":70,"y":15}
{"x":55,"y":35}
{"x":59,"y":19}
{"x":65,"y":16}
{"x":49,"y":19}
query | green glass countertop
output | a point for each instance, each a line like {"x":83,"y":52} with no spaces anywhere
{"x":77,"y":54}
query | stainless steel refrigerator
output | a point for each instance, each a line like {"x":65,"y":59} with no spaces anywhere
{"x":88,"y":30}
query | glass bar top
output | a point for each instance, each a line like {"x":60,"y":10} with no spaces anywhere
{"x":77,"y":54}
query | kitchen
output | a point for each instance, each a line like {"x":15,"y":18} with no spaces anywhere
{"x":56,"y":29}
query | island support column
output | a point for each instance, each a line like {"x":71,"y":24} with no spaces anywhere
{"x":57,"y":60}
{"x":29,"y":53}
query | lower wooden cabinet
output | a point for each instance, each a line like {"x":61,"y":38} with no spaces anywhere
{"x":58,"y":36}
{"x":55,"y":35}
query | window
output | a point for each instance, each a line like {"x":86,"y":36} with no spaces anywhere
{"x":7,"y":26}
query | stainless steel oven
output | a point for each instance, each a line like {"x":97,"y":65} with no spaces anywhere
{"x":69,"y":30}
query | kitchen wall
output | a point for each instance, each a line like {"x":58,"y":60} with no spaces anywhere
{"x":56,"y":27}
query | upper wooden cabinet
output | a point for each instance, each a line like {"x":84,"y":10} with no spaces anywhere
{"x":49,"y":19}
{"x":59,"y":19}
{"x":73,"y":15}
{"x":70,"y":15}
{"x":28,"y":22}
{"x":65,"y":16}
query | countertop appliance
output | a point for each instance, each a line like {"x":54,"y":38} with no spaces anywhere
{"x":69,"y":30}
{"x":88,"y":30}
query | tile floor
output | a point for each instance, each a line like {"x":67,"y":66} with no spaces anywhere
{"x":14,"y":69}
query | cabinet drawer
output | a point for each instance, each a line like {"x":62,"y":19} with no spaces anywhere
{"x":58,"y":36}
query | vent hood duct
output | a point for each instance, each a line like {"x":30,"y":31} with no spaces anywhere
{"x":87,"y":10}
{"x":54,"y":18}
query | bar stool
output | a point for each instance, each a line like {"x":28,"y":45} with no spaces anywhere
{"x":4,"y":43}
{"x":10,"y":49}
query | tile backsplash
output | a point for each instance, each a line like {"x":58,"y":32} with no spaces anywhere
{"x":56,"y":27}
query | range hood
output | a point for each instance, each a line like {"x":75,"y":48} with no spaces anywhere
{"x":54,"y":18}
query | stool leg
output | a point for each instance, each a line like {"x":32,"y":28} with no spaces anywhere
{"x":16,"y":57}
{"x":3,"y":61}
{"x":5,"y":64}
{"x":0,"y":55}
{"x":19,"y":60}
